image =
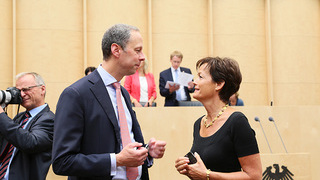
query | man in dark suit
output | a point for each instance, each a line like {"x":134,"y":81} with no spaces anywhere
{"x":26,"y":142}
{"x":87,"y":140}
{"x":175,"y":93}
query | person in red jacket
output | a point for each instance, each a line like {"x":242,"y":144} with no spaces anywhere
{"x":141,"y":87}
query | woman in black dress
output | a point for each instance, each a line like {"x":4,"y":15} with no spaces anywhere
{"x":224,"y":143}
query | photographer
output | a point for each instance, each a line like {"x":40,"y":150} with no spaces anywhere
{"x":26,"y":141}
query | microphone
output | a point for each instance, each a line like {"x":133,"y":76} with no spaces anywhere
{"x":272,"y":120}
{"x":258,"y":120}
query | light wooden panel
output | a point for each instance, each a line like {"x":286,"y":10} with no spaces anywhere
{"x":295,"y":37}
{"x":181,"y":26}
{"x":6,"y":46}
{"x":239,"y":33}
{"x":300,"y":170}
{"x":50,"y":41}
{"x":104,"y":14}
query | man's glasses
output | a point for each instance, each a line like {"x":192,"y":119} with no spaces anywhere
{"x":29,"y":88}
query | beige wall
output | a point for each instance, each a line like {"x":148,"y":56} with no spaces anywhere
{"x":276,"y":43}
{"x":6,"y":62}
{"x":295,"y":36}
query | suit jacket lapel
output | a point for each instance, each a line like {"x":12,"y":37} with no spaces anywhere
{"x":35,"y":118}
{"x":170,"y":75}
{"x":102,"y":96}
{"x":19,"y":117}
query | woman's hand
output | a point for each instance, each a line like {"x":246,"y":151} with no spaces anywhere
{"x":181,"y":165}
{"x":149,"y":103}
{"x":195,"y":171}
{"x":1,"y":109}
{"x":136,"y":103}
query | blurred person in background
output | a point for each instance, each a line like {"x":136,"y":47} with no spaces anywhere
{"x":234,"y":100}
{"x":89,"y":70}
{"x":141,"y":86}
{"x":175,"y":93}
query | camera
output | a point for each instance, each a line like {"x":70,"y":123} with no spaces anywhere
{"x":10,"y":96}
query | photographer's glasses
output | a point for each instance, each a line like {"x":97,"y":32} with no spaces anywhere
{"x":29,"y":88}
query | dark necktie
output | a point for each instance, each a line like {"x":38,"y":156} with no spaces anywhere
{"x":132,"y":172}
{"x":9,"y":148}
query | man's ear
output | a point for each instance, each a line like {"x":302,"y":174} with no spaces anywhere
{"x":220,"y":85}
{"x":43,"y":89}
{"x":115,"y":50}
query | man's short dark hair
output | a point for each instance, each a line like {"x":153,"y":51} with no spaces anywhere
{"x":119,"y":34}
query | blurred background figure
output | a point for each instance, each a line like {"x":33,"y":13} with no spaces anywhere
{"x":175,"y":93}
{"x":141,"y":86}
{"x":89,"y":70}
{"x":234,"y":100}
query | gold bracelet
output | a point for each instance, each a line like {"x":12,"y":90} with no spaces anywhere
{"x":208,"y":174}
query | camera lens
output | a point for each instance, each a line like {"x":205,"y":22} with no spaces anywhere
{"x":5,"y":97}
{"x":10,"y":96}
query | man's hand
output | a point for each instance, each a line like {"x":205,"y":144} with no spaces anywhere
{"x":173,"y":88}
{"x":156,"y":148}
{"x":132,"y":155}
{"x":1,"y":109}
{"x":190,"y":85}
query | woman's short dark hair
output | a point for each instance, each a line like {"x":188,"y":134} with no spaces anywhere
{"x":223,"y":69}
